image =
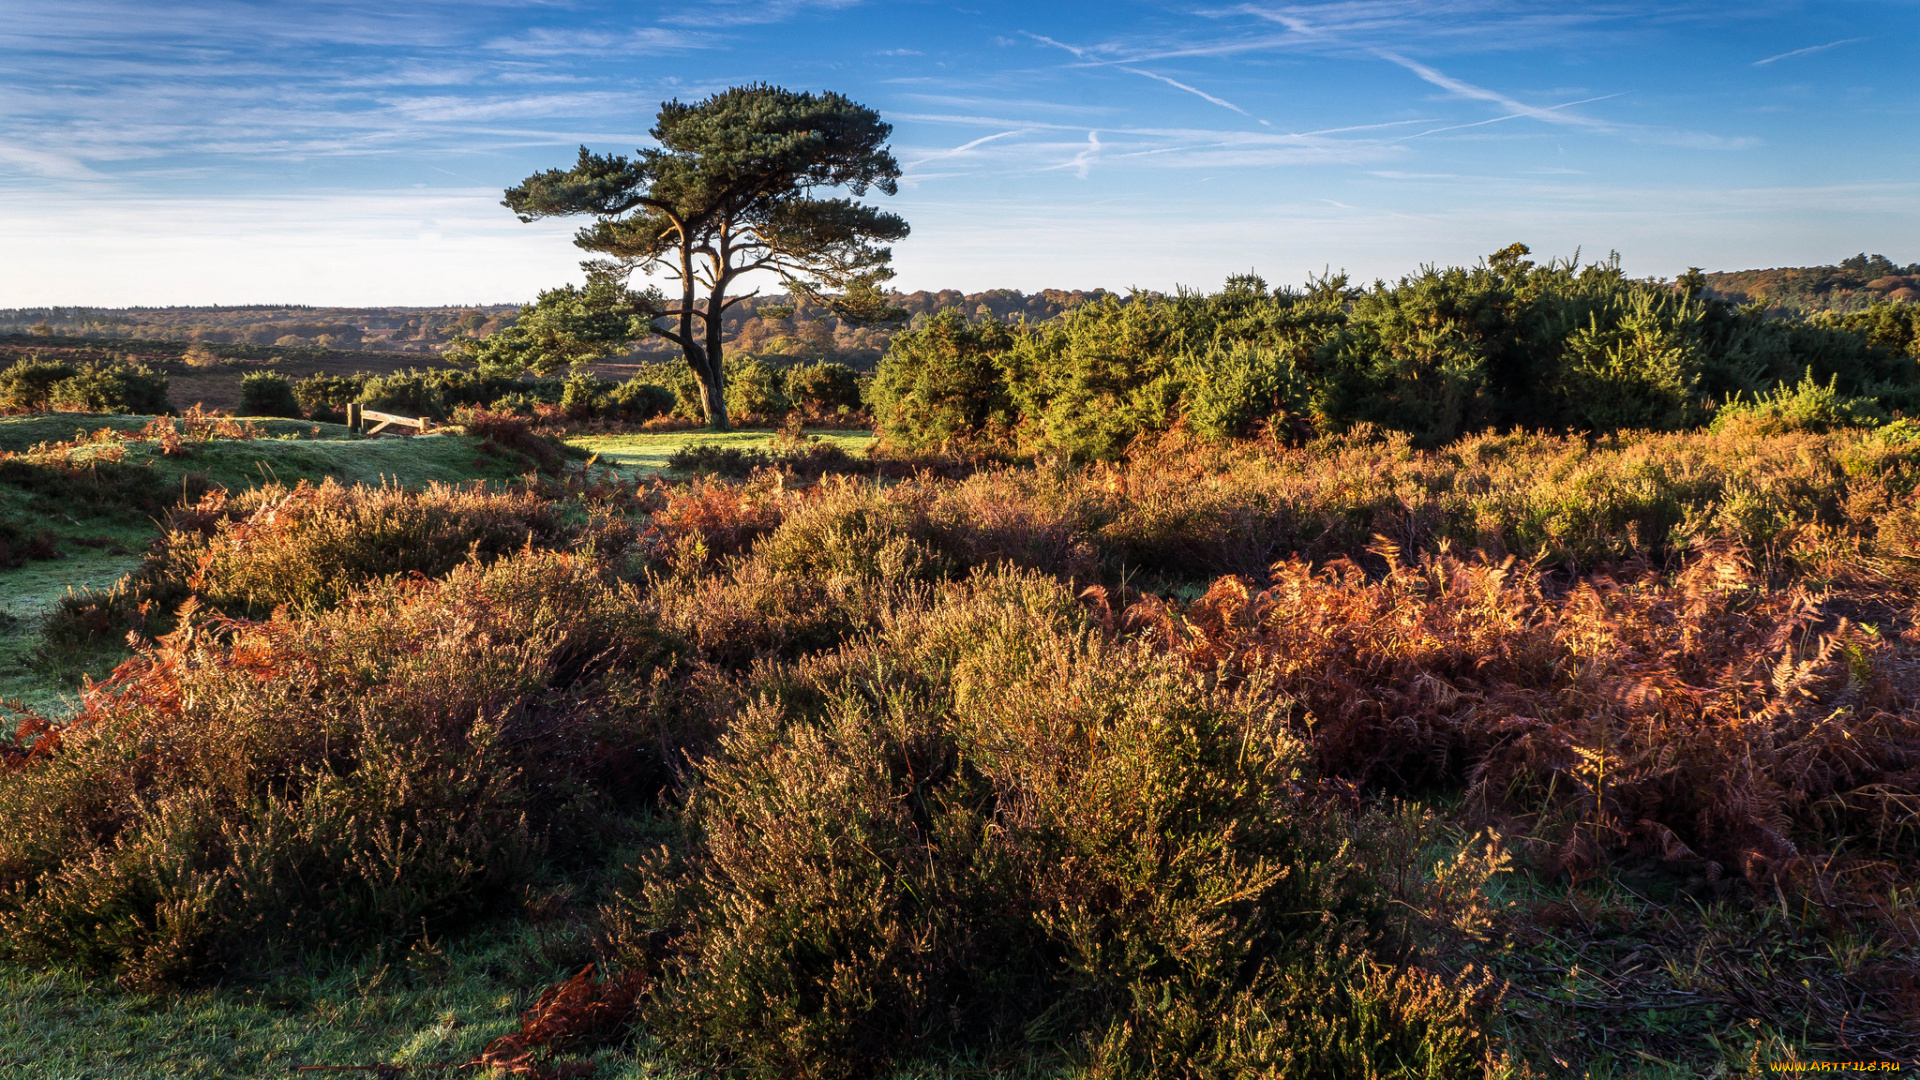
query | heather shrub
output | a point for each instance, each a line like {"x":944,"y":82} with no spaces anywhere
{"x":987,"y":827}
{"x":397,"y":765}
{"x":267,"y":393}
{"x":309,"y":546}
{"x":850,"y":527}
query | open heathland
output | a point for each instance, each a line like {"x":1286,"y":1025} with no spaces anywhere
{"x":1526,"y":754}
{"x":1505,"y":671}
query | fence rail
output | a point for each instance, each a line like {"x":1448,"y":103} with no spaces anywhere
{"x":358,"y":417}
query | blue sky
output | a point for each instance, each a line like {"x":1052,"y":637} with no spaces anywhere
{"x":353,"y":153}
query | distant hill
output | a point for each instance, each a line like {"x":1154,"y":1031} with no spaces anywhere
{"x":298,"y":341}
{"x":1850,"y":284}
{"x":400,"y":329}
{"x":802,"y":334}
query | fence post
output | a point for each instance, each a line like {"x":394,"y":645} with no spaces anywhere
{"x":353,"y":416}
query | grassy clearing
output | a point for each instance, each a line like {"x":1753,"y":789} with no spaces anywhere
{"x":18,"y":433}
{"x":646,"y":454}
{"x":98,"y":508}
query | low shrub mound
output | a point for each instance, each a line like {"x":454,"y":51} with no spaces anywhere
{"x":267,"y":393}
{"x":987,"y":828}
{"x":242,"y":788}
{"x":309,"y":546}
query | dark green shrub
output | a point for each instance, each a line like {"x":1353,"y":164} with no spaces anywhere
{"x":1234,"y":387}
{"x":943,"y":382}
{"x":325,"y":397}
{"x":824,"y":389}
{"x":637,"y":400}
{"x":267,"y":393}
{"x":585,"y":397}
{"x":756,"y":391}
{"x":27,"y":386}
{"x":113,"y":387}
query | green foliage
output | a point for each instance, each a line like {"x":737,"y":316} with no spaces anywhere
{"x":27,"y":386}
{"x":325,"y":397}
{"x":824,"y":389}
{"x":757,"y":389}
{"x":729,"y":189}
{"x":1809,"y":407}
{"x":1234,"y":387}
{"x":568,"y":327}
{"x":943,"y":382}
{"x":637,"y":400}
{"x":96,"y":386}
{"x":1438,"y":354}
{"x":267,"y":393}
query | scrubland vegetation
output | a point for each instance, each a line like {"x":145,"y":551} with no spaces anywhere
{"x":1509,"y":671}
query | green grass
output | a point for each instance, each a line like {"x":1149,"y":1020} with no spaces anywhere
{"x":100,"y":540}
{"x":647,"y":454}
{"x":19,"y":433}
{"x":420,"y":1006}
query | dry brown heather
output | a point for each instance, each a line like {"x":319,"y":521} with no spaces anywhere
{"x":1107,"y":766}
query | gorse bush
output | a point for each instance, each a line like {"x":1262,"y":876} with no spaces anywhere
{"x":943,"y":382}
{"x":35,"y":385}
{"x":326,"y":397}
{"x":267,"y":393}
{"x":824,"y":389}
{"x":113,"y":388}
{"x":27,"y":386}
{"x":1806,"y":407}
{"x":1437,"y":355}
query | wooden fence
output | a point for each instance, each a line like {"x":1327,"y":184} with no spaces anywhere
{"x":358,"y":418}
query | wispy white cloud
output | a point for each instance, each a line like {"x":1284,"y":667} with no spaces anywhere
{"x":544,"y":41}
{"x":964,"y":147}
{"x":1083,"y":162}
{"x":1195,"y":91}
{"x":1807,"y":51}
{"x":1552,"y":115}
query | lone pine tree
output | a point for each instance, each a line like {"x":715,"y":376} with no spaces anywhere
{"x":729,"y":191}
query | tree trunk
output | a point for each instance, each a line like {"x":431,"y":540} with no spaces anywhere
{"x":711,"y":379}
{"x":713,"y":401}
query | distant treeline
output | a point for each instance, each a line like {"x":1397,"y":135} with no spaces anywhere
{"x":1438,"y":354}
{"x":773,"y":327}
{"x":1849,"y":285}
